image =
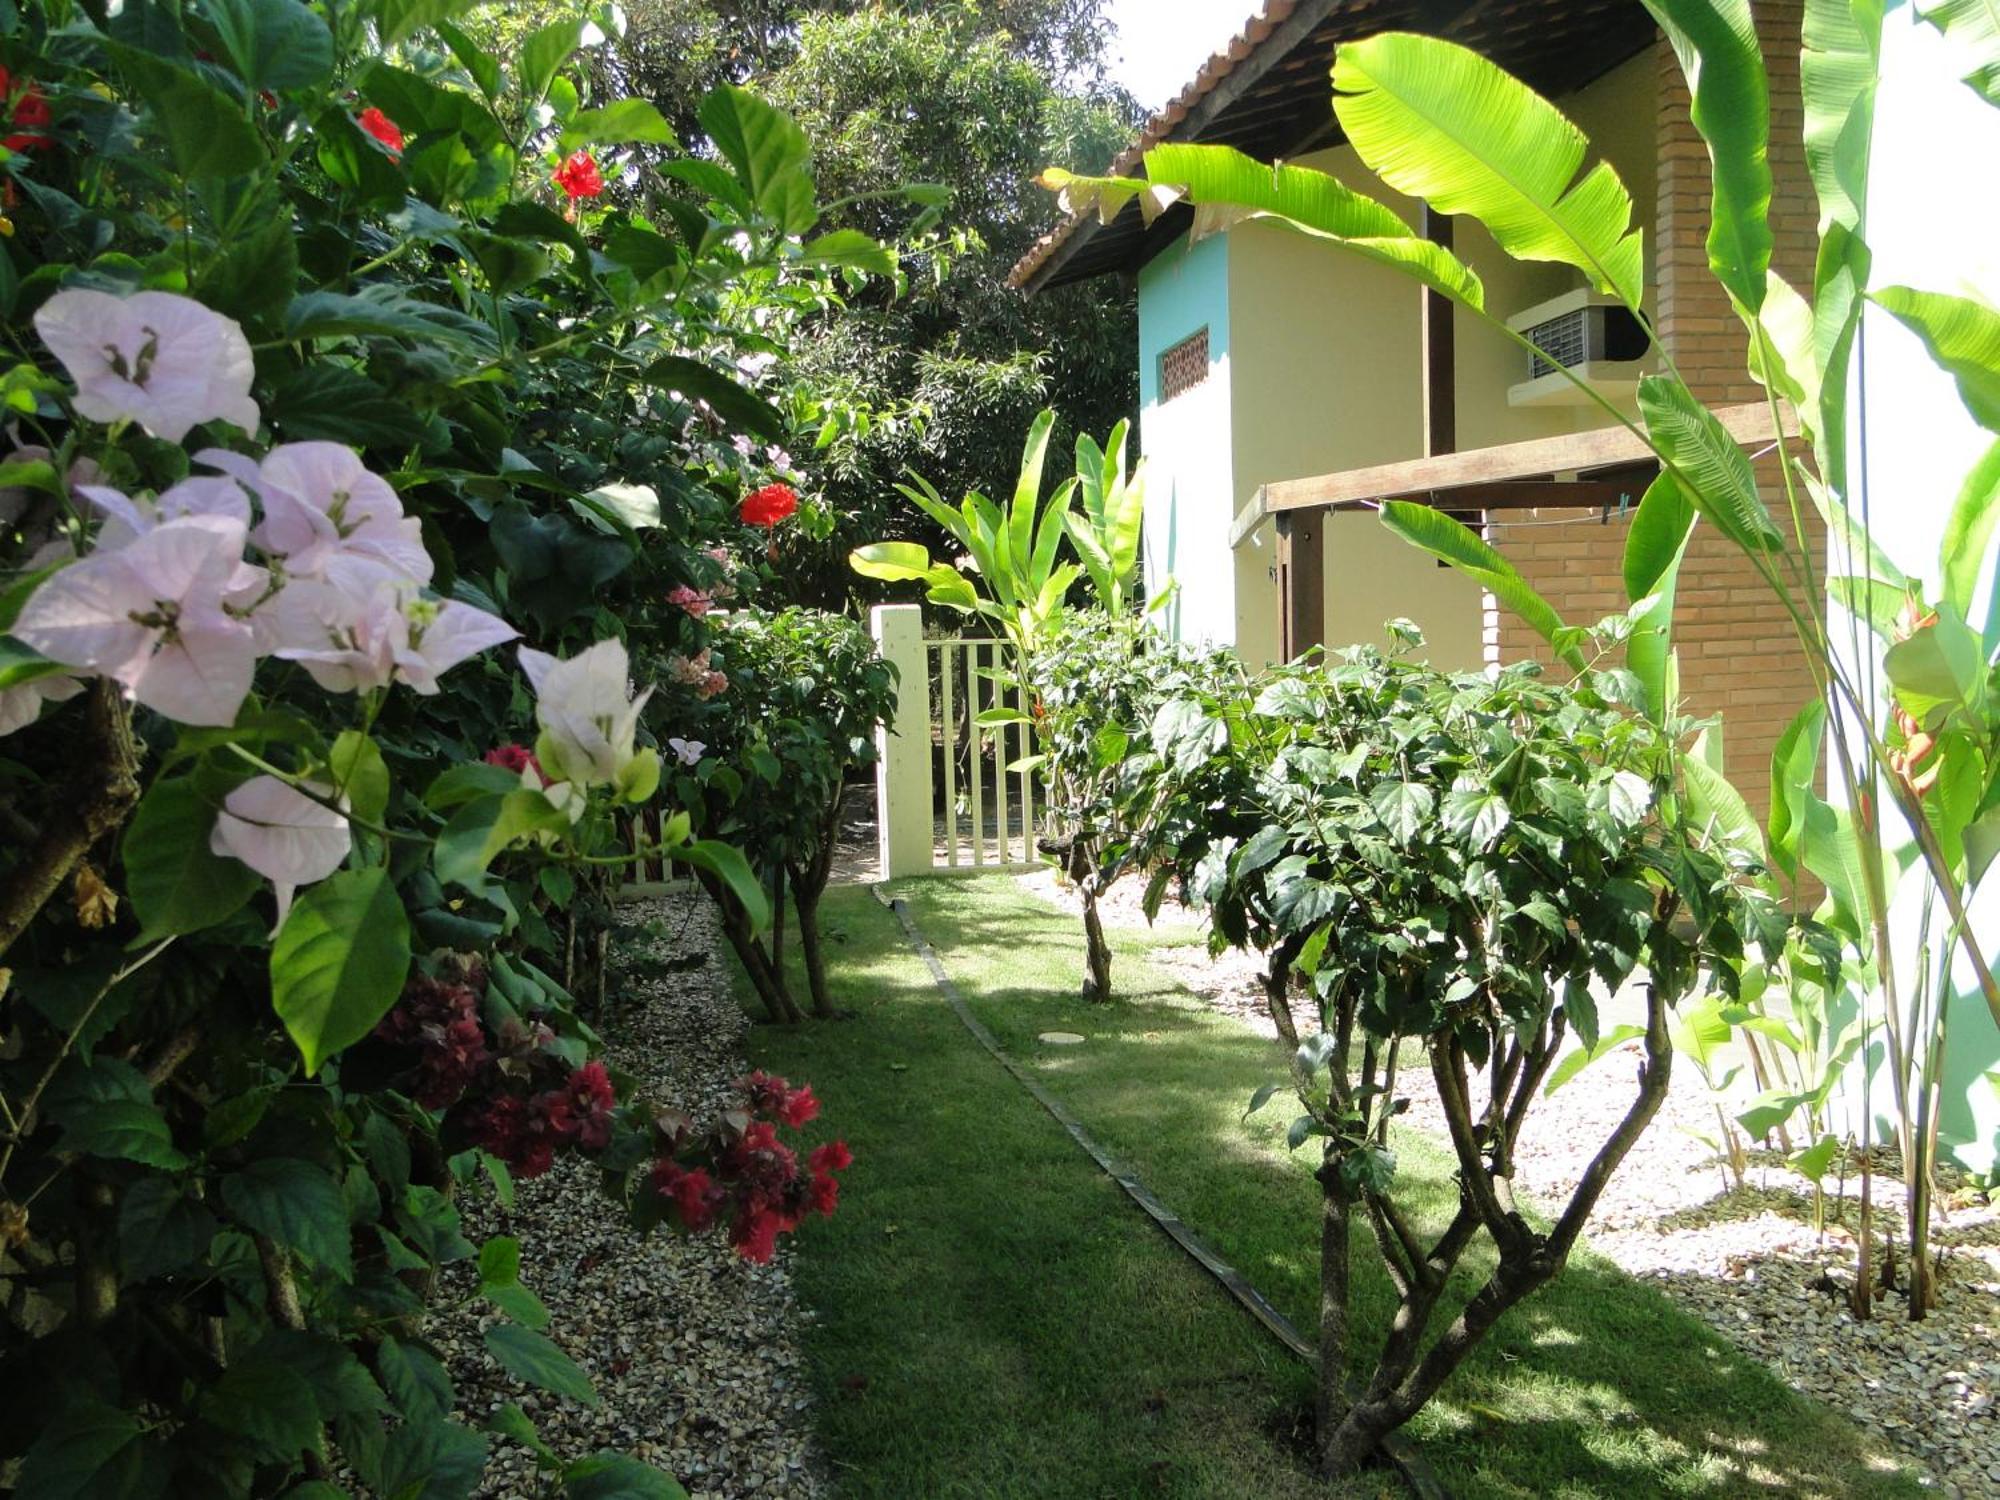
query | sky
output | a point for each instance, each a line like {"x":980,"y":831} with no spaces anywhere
{"x":1161,"y":44}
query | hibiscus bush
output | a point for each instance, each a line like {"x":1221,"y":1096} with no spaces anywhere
{"x":343,"y":353}
{"x":785,"y":729}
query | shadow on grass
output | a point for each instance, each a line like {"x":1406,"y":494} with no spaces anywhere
{"x":996,"y":1319}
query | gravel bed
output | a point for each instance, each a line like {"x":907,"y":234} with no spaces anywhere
{"x":695,"y":1352}
{"x":1749,"y":1261}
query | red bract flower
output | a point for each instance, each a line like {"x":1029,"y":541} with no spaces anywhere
{"x":382,"y":128}
{"x":591,"y":1094}
{"x":31,"y":110}
{"x":825,"y":1194}
{"x":694,"y":1195}
{"x":768,"y":506}
{"x":832,"y":1157}
{"x":799,"y":1107}
{"x":755,"y":1235}
{"x":578,"y":177}
{"x":516,"y":758}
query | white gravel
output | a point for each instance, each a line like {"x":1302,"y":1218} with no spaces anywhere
{"x":694,"y":1351}
{"x":1747,"y":1261}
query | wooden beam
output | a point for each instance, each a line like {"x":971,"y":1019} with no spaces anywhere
{"x":1248,"y":519}
{"x":1440,"y":369}
{"x":1601,"y":448}
{"x":1301,"y":583}
{"x":1513,"y":494}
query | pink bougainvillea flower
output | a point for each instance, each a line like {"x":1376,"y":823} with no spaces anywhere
{"x":163,"y":361}
{"x":769,"y":505}
{"x":382,"y":128}
{"x":21,"y":704}
{"x":359,"y":627}
{"x":154,"y":616}
{"x":578,"y":176}
{"x":588,"y":716}
{"x":282,"y":834}
{"x":694,"y":601}
{"x":126,"y":518}
{"x":320,"y":503}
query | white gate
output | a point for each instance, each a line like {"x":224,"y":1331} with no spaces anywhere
{"x":945,"y":800}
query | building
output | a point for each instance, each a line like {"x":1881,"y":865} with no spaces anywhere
{"x":1287,"y":387}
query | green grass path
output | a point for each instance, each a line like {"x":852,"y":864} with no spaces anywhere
{"x":995,"y":1318}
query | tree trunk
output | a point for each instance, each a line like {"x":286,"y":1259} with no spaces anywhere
{"x":806,"y":904}
{"x":765,"y":979}
{"x":1277,"y":980}
{"x":1331,"y":1407}
{"x":1097,"y":951}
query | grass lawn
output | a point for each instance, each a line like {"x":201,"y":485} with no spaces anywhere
{"x":995,"y":1318}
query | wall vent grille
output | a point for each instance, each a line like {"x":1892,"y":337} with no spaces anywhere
{"x":1184,"y":366}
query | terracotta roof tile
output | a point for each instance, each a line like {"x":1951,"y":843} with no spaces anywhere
{"x":1160,"y":127}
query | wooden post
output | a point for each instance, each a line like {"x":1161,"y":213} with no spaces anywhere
{"x":903,"y":748}
{"x":1301,"y":582}
{"x":1440,"y":378}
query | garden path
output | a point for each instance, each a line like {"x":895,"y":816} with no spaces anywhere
{"x":694,"y":1351}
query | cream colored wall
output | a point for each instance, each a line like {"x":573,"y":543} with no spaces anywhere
{"x":1326,"y":370}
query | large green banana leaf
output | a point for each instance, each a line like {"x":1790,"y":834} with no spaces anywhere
{"x":1445,"y":537}
{"x":1440,"y":122}
{"x":1225,"y":186}
{"x":1973,"y":29}
{"x":1654,"y":547}
{"x":1962,"y":335}
{"x":1716,"y":42}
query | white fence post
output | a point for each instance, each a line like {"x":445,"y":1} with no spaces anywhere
{"x":903,"y":750}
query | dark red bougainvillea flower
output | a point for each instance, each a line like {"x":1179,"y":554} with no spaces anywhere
{"x":30,"y":110}
{"x":516,"y":758}
{"x":768,"y":506}
{"x":578,"y":177}
{"x":382,"y":128}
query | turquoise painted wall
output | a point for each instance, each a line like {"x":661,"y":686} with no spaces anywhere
{"x":1186,"y":442}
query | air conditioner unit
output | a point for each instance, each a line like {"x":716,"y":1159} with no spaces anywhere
{"x":1595,"y":339}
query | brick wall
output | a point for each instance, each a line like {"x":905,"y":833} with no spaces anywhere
{"x":1738,"y":656}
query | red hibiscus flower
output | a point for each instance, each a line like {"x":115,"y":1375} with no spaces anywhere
{"x":768,"y":506}
{"x":31,"y":110}
{"x":578,"y":177}
{"x":382,"y":128}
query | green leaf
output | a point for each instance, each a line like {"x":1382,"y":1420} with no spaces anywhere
{"x":1716,"y":42}
{"x":275,"y":44}
{"x":1446,"y":537}
{"x":1968,"y":531}
{"x":769,"y":152}
{"x":384,"y":311}
{"x":1812,"y":1161}
{"x":1973,"y":29}
{"x":1225,"y":186}
{"x":206,"y":133}
{"x":396,"y":19}
{"x":1794,"y":767}
{"x":122,"y":1130}
{"x":1477,"y":814}
{"x":267,"y":1404}
{"x":328,"y":402}
{"x":1439,"y":122}
{"x":178,"y":884}
{"x":1715,"y":806}
{"x":892,"y":562}
{"x":1712,"y":471}
{"x":339,"y":962}
{"x":1405,"y":808}
{"x":1654,"y":546}
{"x":1579,"y":1058}
{"x":360,"y":775}
{"x":417,"y":1383}
{"x":726,"y":862}
{"x":1963,"y":336}
{"x":481,"y":830}
{"x":623,"y":122}
{"x":160,"y":1229}
{"x":500,"y":1283}
{"x":850,"y":249}
{"x":84,"y":1451}
{"x":297,"y":1205}
{"x":1942,"y":665}
{"x":542,"y":55}
{"x":734,"y":403}
{"x":1838,"y":61}
{"x":613,"y":1476}
{"x":529,"y":1356}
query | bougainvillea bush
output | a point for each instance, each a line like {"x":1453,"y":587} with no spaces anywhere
{"x":377,"y":407}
